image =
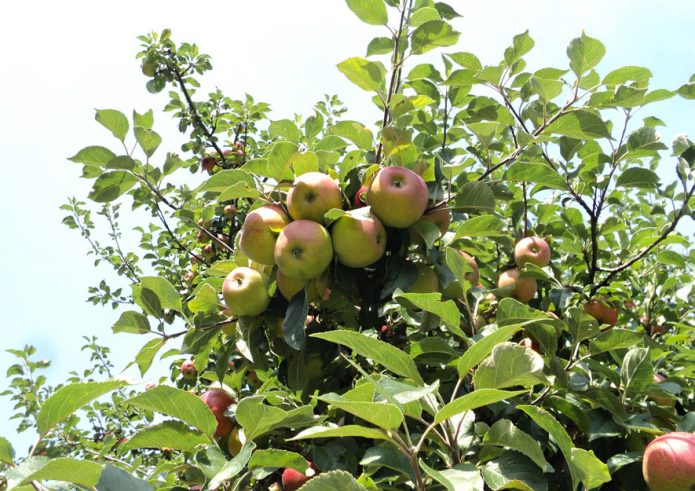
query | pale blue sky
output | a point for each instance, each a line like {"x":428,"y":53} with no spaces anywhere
{"x":64,"y":59}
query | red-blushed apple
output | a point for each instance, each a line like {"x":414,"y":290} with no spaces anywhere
{"x":453,"y":289}
{"x":287,"y":287}
{"x":209,"y":251}
{"x":398,"y":196}
{"x":358,"y":239}
{"x":218,"y":401}
{"x":292,"y":480}
{"x":317,"y":290}
{"x":202,"y":237}
{"x":234,"y":442}
{"x":532,"y":250}
{"x":441,"y":217}
{"x":669,"y":462}
{"x":189,"y":277}
{"x":150,"y":385}
{"x":360,"y":198}
{"x":312,"y":195}
{"x":662,"y":401}
{"x":230,"y":210}
{"x":245,"y":291}
{"x":188,"y":370}
{"x":426,"y":280}
{"x":208,"y":163}
{"x":303,"y":250}
{"x":524,"y":288}
{"x":259,"y":233}
{"x":602,"y":311}
{"x":529,"y":344}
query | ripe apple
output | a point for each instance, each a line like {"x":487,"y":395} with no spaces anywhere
{"x":230,"y":210}
{"x":524,"y":288}
{"x":293,"y":480}
{"x":441,"y":217}
{"x":208,"y":163}
{"x":202,"y":237}
{"x":245,"y":291}
{"x":662,"y":401}
{"x":669,"y":462}
{"x":189,"y":277}
{"x":317,"y":290}
{"x":288,"y":288}
{"x":529,"y":343}
{"x":360,"y":199}
{"x":398,"y":196}
{"x":358,"y":239}
{"x":209,"y":251}
{"x":149,"y":68}
{"x":218,"y":401}
{"x":303,"y":250}
{"x":453,"y":289}
{"x":188,"y":370}
{"x":532,"y":250}
{"x":426,"y":280}
{"x":312,"y":195}
{"x":602,"y":311}
{"x":260,"y":231}
{"x":234,"y":442}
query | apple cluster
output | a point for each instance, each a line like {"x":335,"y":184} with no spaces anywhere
{"x":529,"y":250}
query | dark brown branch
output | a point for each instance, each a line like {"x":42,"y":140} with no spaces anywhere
{"x":178,"y":243}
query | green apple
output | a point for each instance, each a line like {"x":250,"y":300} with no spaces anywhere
{"x":287,"y":287}
{"x":312,"y":195}
{"x":359,"y":238}
{"x":260,"y":231}
{"x":398,"y":196}
{"x":532,"y":250}
{"x":669,"y":462}
{"x":426,"y":280}
{"x":245,"y":291}
{"x":303,"y":250}
{"x":602,"y":311}
{"x":524,"y":288}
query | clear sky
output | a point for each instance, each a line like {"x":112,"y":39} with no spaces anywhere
{"x":63,"y":59}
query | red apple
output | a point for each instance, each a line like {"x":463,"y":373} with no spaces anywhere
{"x":426,"y":280}
{"x":360,"y":199}
{"x":293,"y":480}
{"x":218,"y":401}
{"x":398,"y":196}
{"x":259,"y":233}
{"x":312,"y":195}
{"x":602,"y":311}
{"x":230,"y":210}
{"x":441,"y":217}
{"x":189,"y":277}
{"x":202,"y":237}
{"x":209,"y":251}
{"x":358,"y":239}
{"x":524,"y":288}
{"x":669,"y":462}
{"x":245,"y":291}
{"x":532,"y":250}
{"x":303,"y":250}
{"x":188,"y":370}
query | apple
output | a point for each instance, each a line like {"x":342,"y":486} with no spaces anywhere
{"x":358,"y":239}
{"x":208,"y":163}
{"x":529,"y":343}
{"x":360,"y":201}
{"x":149,"y":68}
{"x":234,"y":442}
{"x":218,"y":401}
{"x":275,"y":487}
{"x":602,"y":311}
{"x":209,"y":251}
{"x":245,"y":291}
{"x":230,"y":210}
{"x":441,"y":217}
{"x":524,"y":288}
{"x":398,"y":196}
{"x":202,"y":237}
{"x":426,"y":280}
{"x":532,"y":250}
{"x":293,"y":479}
{"x":312,"y":195}
{"x":303,"y":250}
{"x":288,"y":288}
{"x":189,"y":277}
{"x":188,"y":370}
{"x":150,"y":385}
{"x":669,"y":462}
{"x":453,"y":289}
{"x":259,"y":232}
{"x":317,"y":290}
{"x":662,"y":401}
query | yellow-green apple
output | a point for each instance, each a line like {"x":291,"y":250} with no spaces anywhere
{"x":287,"y":287}
{"x":149,"y":68}
{"x":292,"y":480}
{"x":602,"y":311}
{"x":317,"y":290}
{"x":359,"y":239}
{"x":234,"y":442}
{"x":312,"y":195}
{"x":245,"y":291}
{"x":360,"y":198}
{"x":662,"y":401}
{"x":218,"y":401}
{"x":532,"y":250}
{"x":398,"y":196}
{"x":188,"y":370}
{"x":669,"y":462}
{"x":524,"y":288}
{"x":303,"y":250}
{"x":259,"y":232}
{"x":453,"y":289}
{"x":426,"y":280}
{"x":441,"y":217}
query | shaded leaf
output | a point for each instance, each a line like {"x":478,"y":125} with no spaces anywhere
{"x":169,"y":434}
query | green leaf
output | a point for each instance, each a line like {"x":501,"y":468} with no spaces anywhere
{"x":461,"y":477}
{"x":148,"y":140}
{"x":6,"y":451}
{"x":473,"y":400}
{"x":380,"y":46}
{"x":205,"y":300}
{"x":522,"y":44}
{"x":367,"y":75}
{"x":424,"y":14}
{"x":638,"y":177}
{"x":334,"y":480}
{"x":591,"y":471}
{"x":69,"y":399}
{"x":258,"y":418}
{"x":385,"y":455}
{"x":132,"y":322}
{"x":538,"y":173}
{"x":225,"y":179}
{"x":509,"y":365}
{"x":94,"y":156}
{"x":114,"y":121}
{"x":169,"y":434}
{"x":145,"y":356}
{"x":384,"y":415}
{"x":273,"y":458}
{"x":341,"y":432}
{"x":466,"y":60}
{"x":504,"y":434}
{"x":584,"y":53}
{"x":369,"y":11}
{"x":431,"y":302}
{"x":303,"y":162}
{"x":111,"y":185}
{"x":233,"y":467}
{"x":166,"y":293}
{"x":513,"y":471}
{"x":615,"y":339}
{"x":580,"y":124}
{"x":294,"y":322}
{"x":145,"y":120}
{"x":285,"y":128}
{"x":481,"y":226}
{"x":432,"y":34}
{"x":116,"y":479}
{"x":179,"y":404}
{"x":475,"y":197}
{"x":385,"y":354}
{"x":355,"y":132}
{"x":636,"y":371}
{"x":637,"y":74}
{"x":82,"y":472}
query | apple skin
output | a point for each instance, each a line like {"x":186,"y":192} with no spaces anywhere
{"x":358,"y":240}
{"x":245,"y":291}
{"x":230,"y":210}
{"x":398,"y":196}
{"x":524,"y":288}
{"x":360,"y":199}
{"x":312,"y":195}
{"x":532,"y":250}
{"x":218,"y":401}
{"x":602,"y":312}
{"x":669,"y":462}
{"x":453,"y":289}
{"x":292,"y":480}
{"x":149,"y":68}
{"x":529,"y":344}
{"x":188,"y":370}
{"x":259,"y":233}
{"x":426,"y":281}
{"x":303,"y":250}
{"x":288,"y":288}
{"x":234,"y":443}
{"x":441,"y":217}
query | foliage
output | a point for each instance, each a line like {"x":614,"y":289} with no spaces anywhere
{"x":378,"y":387}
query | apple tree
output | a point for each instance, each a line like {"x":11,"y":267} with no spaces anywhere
{"x":485,"y":284}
